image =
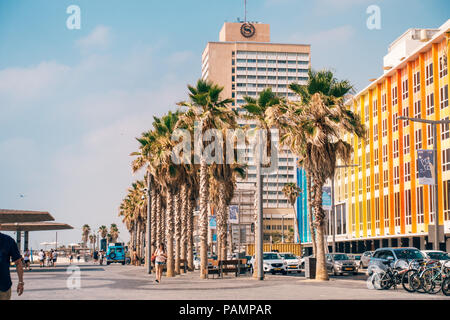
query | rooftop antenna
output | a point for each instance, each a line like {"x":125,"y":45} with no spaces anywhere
{"x":245,"y":10}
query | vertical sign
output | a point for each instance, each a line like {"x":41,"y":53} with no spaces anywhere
{"x":233,"y":214}
{"x":425,"y":166}
{"x":212,"y":222}
{"x":326,"y":198}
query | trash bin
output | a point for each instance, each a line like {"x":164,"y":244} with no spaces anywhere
{"x":310,"y":268}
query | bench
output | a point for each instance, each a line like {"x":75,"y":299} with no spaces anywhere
{"x":236,"y":266}
{"x":183,"y":265}
{"x":213,"y":268}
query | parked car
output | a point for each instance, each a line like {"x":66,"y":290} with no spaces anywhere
{"x":442,"y":256}
{"x":340,"y":263}
{"x":272,"y":262}
{"x":115,"y":253}
{"x":292,"y":261}
{"x":365,"y":258}
{"x":383,"y":257}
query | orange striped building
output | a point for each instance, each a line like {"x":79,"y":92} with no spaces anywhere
{"x":380,"y":203}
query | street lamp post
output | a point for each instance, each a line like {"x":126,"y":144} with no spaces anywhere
{"x":282,"y":227}
{"x":434,"y":124}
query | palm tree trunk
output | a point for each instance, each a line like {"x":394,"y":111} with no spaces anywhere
{"x":190,"y":233}
{"x":222,"y":212}
{"x":169,"y":233}
{"x":159,"y":220}
{"x":319,"y":220}
{"x":310,"y":214}
{"x":203,"y":221}
{"x":184,"y":218}
{"x":177,"y":203}
{"x":154,"y":221}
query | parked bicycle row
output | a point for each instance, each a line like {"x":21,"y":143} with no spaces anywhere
{"x":414,"y":270}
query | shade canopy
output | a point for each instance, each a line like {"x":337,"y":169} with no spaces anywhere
{"x":34,"y":226}
{"x":19,"y":216}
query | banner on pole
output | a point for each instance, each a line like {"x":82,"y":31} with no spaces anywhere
{"x":212,"y":222}
{"x":326,"y":198}
{"x":233,"y":212}
{"x":425,"y":166}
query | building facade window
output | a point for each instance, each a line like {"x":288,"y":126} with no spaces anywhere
{"x":443,"y":93}
{"x":385,"y":153}
{"x":446,"y":160}
{"x":375,"y":132}
{"x":377,"y":213}
{"x":394,"y":95}
{"x":383,"y":102}
{"x":375,"y":157}
{"x":445,"y":130}
{"x":377,"y":181}
{"x":396,"y":175}
{"x":419,"y":205}
{"x":417,"y":109}
{"x":446,"y":197}
{"x":395,"y":122}
{"x":395,"y":144}
{"x":405,"y":114}
{"x":430,"y":104}
{"x":408,"y":215}
{"x":397,"y":209}
{"x":407,"y":171}
{"x":430,"y":134}
{"x":418,"y":138}
{"x":375,"y":107}
{"x":442,"y":66}
{"x":384,"y":128}
{"x":386,"y":210}
{"x":416,"y":82}
{"x":429,"y":74}
{"x":385,"y":178}
{"x":405,"y":89}
{"x":406,"y":144}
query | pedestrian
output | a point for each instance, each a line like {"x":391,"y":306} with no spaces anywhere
{"x":41,"y":256}
{"x":9,"y":252}
{"x":48,"y":258}
{"x":101,"y":257}
{"x":54,"y":257}
{"x":26,"y":259}
{"x":160,"y":260}
{"x":78,"y":258}
{"x":70,"y":258}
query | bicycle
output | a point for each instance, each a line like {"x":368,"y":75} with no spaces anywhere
{"x":432,"y":278}
{"x":411,"y":278}
{"x":392,"y":276}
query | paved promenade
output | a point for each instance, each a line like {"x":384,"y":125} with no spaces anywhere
{"x":130,"y":282}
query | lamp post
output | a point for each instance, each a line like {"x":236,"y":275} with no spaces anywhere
{"x":333,"y":209}
{"x":282,"y":227}
{"x":434,"y":124}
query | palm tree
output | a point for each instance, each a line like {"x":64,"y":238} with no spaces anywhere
{"x":292,"y":192}
{"x":92,"y":239}
{"x":85,"y":234}
{"x":114,"y":232}
{"x":212,"y":113}
{"x":314,"y":129}
{"x":103,"y":230}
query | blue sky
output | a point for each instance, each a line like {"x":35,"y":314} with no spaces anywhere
{"x":72,"y":101}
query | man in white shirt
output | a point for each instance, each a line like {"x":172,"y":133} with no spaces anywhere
{"x":41,"y":255}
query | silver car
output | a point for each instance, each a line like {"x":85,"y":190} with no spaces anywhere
{"x":365,"y":258}
{"x":340,"y":263}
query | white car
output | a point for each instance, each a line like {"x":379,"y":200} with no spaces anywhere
{"x":292,"y":262}
{"x":272,"y":262}
{"x":442,"y":256}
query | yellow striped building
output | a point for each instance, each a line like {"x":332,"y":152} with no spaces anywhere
{"x":380,"y":203}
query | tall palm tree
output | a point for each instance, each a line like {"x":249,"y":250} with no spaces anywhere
{"x":86,"y":230}
{"x":314,"y":129}
{"x":292,"y":192}
{"x":103,"y":230}
{"x":114,"y":232}
{"x":211,"y":113}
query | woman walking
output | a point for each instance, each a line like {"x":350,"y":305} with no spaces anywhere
{"x":160,"y":261}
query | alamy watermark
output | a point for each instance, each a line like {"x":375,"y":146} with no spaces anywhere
{"x":374,"y":20}
{"x":74,"y":20}
{"x":73,"y":282}
{"x":231,"y":146}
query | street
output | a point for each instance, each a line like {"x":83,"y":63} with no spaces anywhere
{"x":129,"y":282}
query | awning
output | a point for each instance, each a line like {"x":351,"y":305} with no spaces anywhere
{"x":13,"y":216}
{"x":34,"y":226}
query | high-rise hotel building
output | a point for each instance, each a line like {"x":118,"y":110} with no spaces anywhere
{"x":245,"y":62}
{"x":380,"y":202}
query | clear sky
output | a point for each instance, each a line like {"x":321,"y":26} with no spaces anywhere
{"x":72,"y":101}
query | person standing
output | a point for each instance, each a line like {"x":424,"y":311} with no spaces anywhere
{"x":71,"y":258}
{"x":54,"y":257}
{"x":160,"y":261}
{"x":26,"y":259}
{"x":9,"y":252}
{"x":41,"y":258}
{"x":78,"y":258}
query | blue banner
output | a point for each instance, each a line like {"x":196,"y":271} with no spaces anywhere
{"x":326,"y":198}
{"x":425,"y":166}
